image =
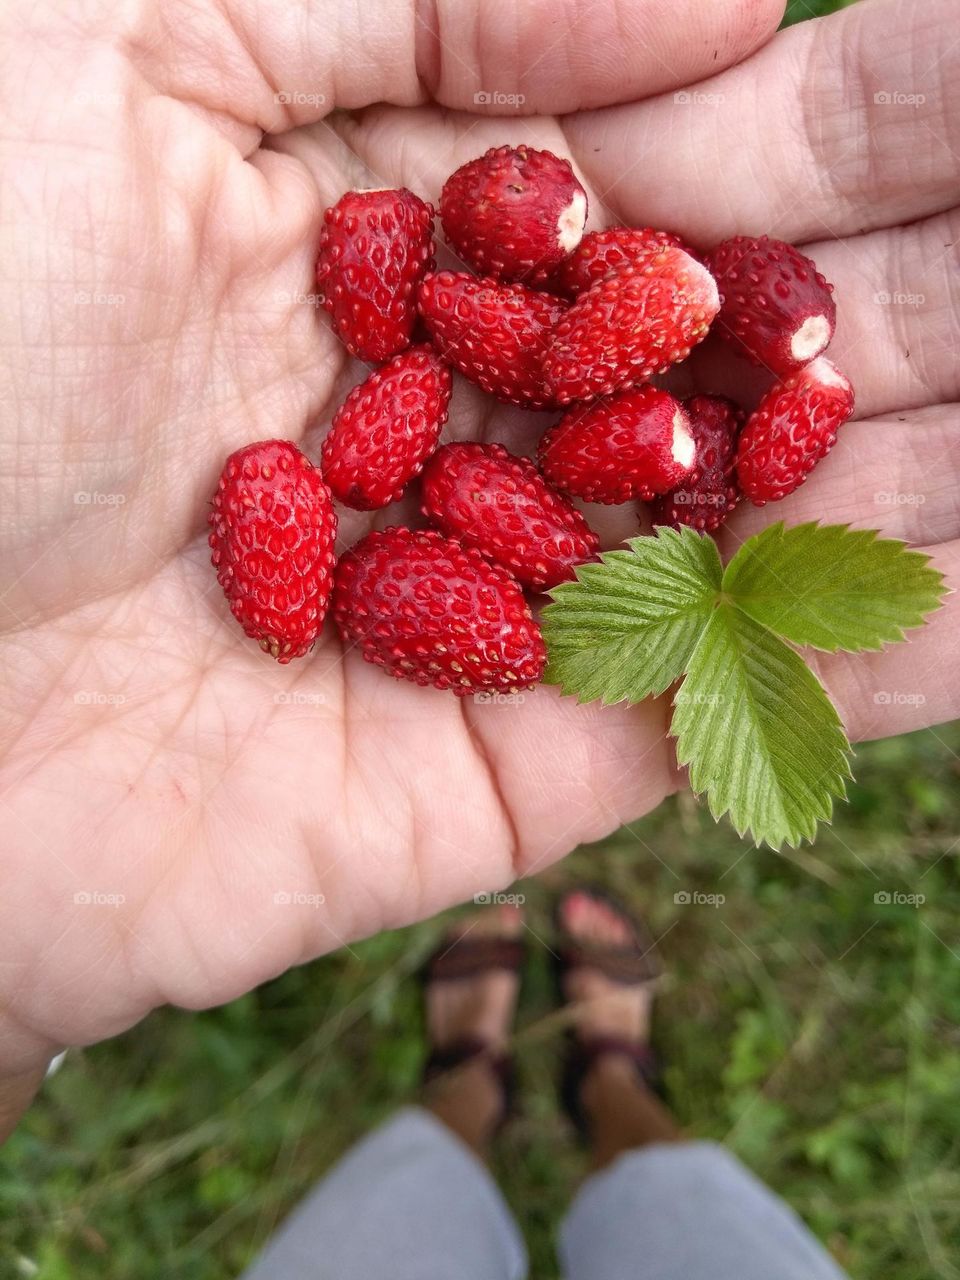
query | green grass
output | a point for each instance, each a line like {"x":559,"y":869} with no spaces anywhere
{"x":812,"y":1029}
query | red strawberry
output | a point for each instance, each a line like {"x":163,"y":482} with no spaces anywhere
{"x":600,"y":253}
{"x":514,"y":213}
{"x":495,"y":334}
{"x":386,"y":429}
{"x":776,"y":308}
{"x":428,"y":609}
{"x":793,"y":427}
{"x":708,"y":495}
{"x":375,"y":248}
{"x":634,"y":445}
{"x":631,"y":326}
{"x":500,"y":504}
{"x":272,"y":530}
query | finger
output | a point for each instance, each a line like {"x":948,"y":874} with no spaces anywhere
{"x":897,"y":474}
{"x":908,"y":686}
{"x":278,"y":64}
{"x":833,"y":128}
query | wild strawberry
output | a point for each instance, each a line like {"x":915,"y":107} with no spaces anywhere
{"x":776,"y":308}
{"x":631,"y":326}
{"x":272,"y":530}
{"x":514,"y":213}
{"x":600,"y":253}
{"x":635,"y":445}
{"x":709,"y":493}
{"x":386,"y":429}
{"x":500,"y":504}
{"x":428,"y":609}
{"x":793,"y":427}
{"x":375,"y":248}
{"x":495,"y":334}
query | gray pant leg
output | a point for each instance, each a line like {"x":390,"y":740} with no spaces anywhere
{"x":409,"y":1202}
{"x":686,"y":1211}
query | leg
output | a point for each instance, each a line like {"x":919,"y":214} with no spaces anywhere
{"x":659,"y":1207}
{"x":413,"y":1201}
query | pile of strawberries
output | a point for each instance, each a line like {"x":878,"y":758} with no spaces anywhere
{"x":556,"y":320}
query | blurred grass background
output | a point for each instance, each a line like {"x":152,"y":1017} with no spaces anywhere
{"x":807,"y":1022}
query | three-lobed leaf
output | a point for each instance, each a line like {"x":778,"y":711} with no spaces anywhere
{"x":758,"y":732}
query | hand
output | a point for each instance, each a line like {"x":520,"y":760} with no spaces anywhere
{"x":163,"y":784}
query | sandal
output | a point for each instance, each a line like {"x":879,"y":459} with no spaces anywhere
{"x":636,"y":964}
{"x":458,"y":960}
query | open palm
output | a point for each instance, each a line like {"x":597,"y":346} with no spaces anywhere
{"x":181,"y":818}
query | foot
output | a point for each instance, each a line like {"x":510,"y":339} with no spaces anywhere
{"x":470,"y":1100}
{"x":600,"y":1007}
{"x":481,"y":1007}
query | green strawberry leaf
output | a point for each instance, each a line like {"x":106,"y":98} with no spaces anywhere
{"x":832,"y":587}
{"x":625,"y":629}
{"x":758,"y":732}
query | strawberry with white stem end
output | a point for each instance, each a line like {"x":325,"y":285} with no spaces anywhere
{"x":776,"y":308}
{"x":495,"y":334}
{"x":709,"y":493}
{"x":600,"y":253}
{"x":386,"y":429}
{"x":375,"y":248}
{"x":637,"y":444}
{"x":791,"y":430}
{"x":514,"y":213}
{"x":501,"y":504}
{"x":631,"y":326}
{"x":428,"y":609}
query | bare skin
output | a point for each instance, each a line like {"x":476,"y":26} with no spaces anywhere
{"x":622,"y":1112}
{"x":181,"y":819}
{"x":469,"y":1100}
